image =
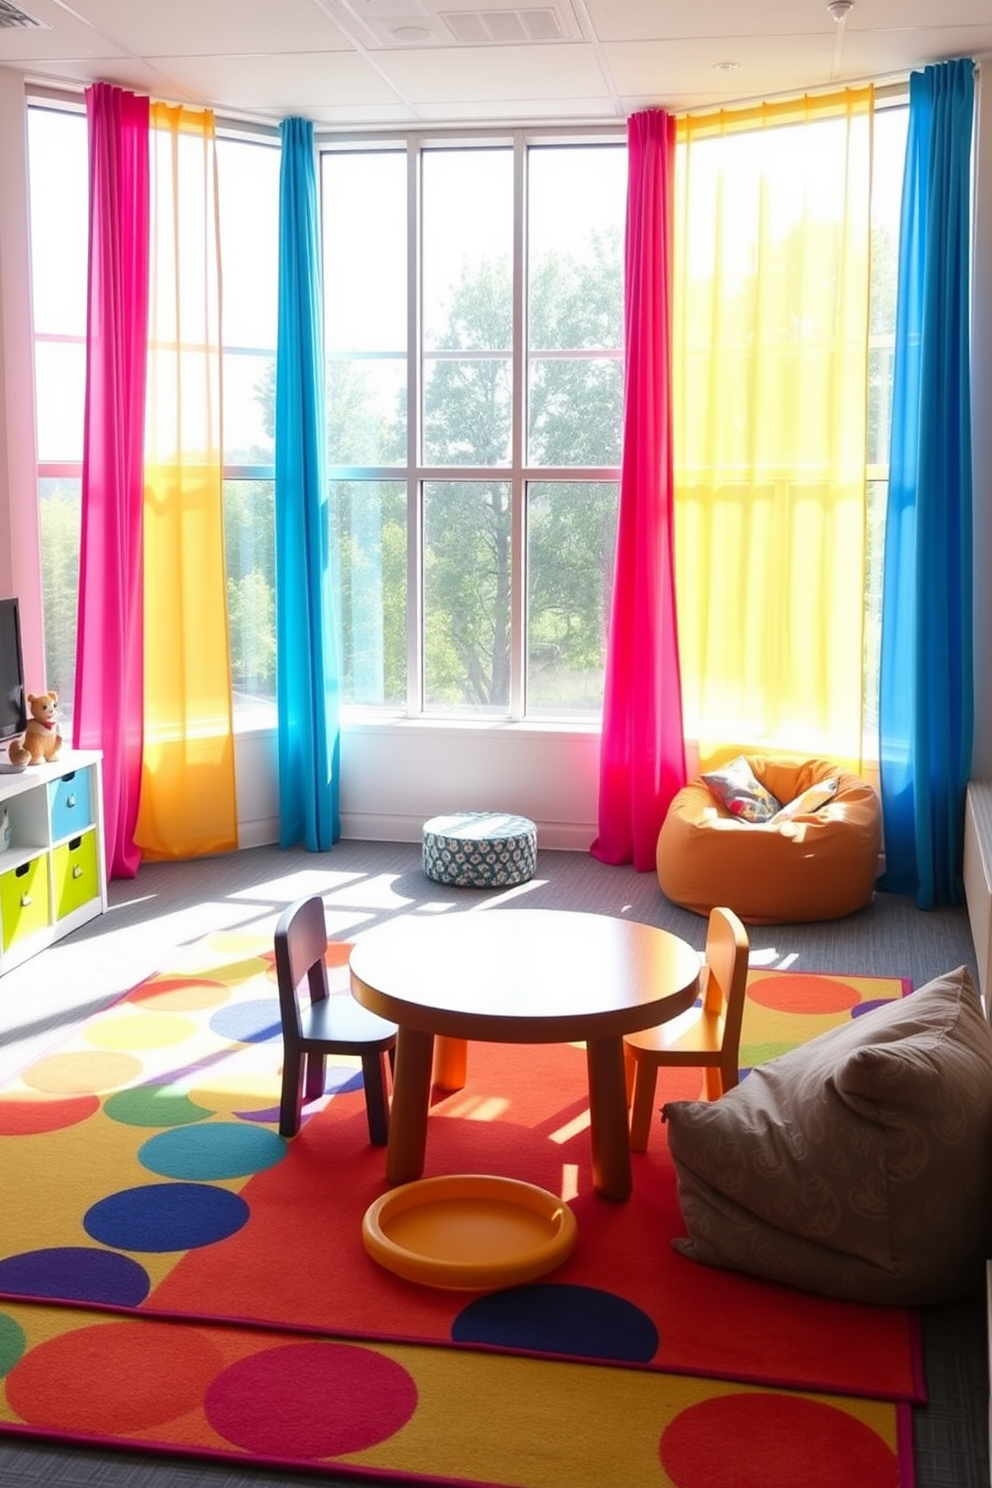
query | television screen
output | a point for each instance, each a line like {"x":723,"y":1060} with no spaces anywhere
{"x":13,"y":719}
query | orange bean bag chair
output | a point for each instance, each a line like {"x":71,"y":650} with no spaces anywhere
{"x":799,"y":865}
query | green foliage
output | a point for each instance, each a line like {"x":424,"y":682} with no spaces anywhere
{"x":575,"y":420}
{"x":249,"y":539}
{"x":575,"y":411}
{"x":368,"y":539}
{"x":251,"y":617}
{"x":59,"y":522}
{"x":467,"y":566}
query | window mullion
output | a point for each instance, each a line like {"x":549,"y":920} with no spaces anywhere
{"x":414,"y":485}
{"x":518,"y":576}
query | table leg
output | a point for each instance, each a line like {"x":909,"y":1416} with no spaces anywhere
{"x":450,"y":1062}
{"x":611,"y":1167}
{"x":411,"y":1103}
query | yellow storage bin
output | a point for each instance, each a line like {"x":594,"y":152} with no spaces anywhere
{"x":74,"y":874}
{"x":24,"y":903}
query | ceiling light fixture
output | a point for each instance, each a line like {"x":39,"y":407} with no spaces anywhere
{"x":840,"y":8}
{"x":725,"y":66}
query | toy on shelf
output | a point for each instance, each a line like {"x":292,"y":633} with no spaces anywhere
{"x":42,"y":739}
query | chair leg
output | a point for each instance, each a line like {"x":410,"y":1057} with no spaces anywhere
{"x":730,"y":1075}
{"x":315,"y":1076}
{"x":376,"y":1098}
{"x":642,"y":1107}
{"x":712,"y":1082}
{"x":291,"y":1098}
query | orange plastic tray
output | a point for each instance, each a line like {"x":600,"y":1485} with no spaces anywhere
{"x":469,"y":1231}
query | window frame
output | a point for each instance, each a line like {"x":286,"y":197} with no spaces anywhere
{"x":518,"y":474}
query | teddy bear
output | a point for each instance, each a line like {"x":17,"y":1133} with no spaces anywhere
{"x":42,"y":740}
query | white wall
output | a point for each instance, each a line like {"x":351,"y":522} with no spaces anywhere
{"x":395,"y":776}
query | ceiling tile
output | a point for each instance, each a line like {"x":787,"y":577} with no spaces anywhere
{"x":485,"y":74}
{"x":289,"y":83}
{"x":213,"y":27}
{"x":677,"y":70}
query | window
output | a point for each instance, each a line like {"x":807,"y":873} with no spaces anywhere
{"x":887,"y":172}
{"x":473,"y":319}
{"x":783,"y":249}
{"x":59,"y":207}
{"x":473,"y":301}
{"x":248,"y":194}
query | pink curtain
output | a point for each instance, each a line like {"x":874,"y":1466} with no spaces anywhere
{"x":642,"y":759}
{"x":109,"y":668}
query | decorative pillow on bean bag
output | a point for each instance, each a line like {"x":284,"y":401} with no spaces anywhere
{"x":810,"y":800}
{"x":737,"y":788}
{"x":858,"y":1165}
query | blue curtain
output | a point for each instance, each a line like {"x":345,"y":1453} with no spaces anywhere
{"x":307,"y":680}
{"x":926,"y":702}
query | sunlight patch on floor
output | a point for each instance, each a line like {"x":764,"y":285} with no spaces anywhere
{"x":571,"y":1129}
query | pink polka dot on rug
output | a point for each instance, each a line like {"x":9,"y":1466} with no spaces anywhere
{"x":779,"y":1441}
{"x":803,"y":992}
{"x":306,"y":1401}
{"x":180,"y":994}
{"x":113,"y":1377}
{"x":29,"y":1113}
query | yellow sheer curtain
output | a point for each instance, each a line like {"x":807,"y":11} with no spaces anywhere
{"x":188,"y":803}
{"x":770,"y":422}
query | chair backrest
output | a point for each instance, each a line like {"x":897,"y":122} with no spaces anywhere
{"x":727,"y":948}
{"x":300,"y":947}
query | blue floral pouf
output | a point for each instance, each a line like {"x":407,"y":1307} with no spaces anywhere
{"x":480,"y":849}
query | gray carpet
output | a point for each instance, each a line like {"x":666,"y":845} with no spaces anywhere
{"x":365,"y":884}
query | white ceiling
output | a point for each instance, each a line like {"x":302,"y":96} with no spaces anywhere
{"x":350,"y":63}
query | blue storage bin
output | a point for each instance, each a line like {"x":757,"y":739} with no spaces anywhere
{"x":70,"y":803}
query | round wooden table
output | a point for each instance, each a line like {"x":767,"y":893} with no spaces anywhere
{"x":519,"y":976}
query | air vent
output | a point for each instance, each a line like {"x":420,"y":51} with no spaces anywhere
{"x":503,"y":27}
{"x":10,"y":16}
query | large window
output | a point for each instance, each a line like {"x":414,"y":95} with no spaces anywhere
{"x":473,"y":303}
{"x":473,"y":313}
{"x":248,"y":195}
{"x":785,"y":271}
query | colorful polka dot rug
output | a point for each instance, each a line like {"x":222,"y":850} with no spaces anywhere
{"x":178,"y":1278}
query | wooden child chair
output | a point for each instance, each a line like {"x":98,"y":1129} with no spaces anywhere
{"x":708,"y":1035}
{"x":324,"y":1025}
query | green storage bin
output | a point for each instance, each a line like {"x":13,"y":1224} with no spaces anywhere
{"x":74,"y":874}
{"x":25,"y":906}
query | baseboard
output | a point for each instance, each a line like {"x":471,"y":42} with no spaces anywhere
{"x":365,"y":827}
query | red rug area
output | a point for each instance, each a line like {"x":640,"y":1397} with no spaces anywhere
{"x":166,"y":1259}
{"x":624,"y":1295}
{"x":145,"y":1170}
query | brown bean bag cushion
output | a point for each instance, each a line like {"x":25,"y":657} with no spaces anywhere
{"x":858,"y":1165}
{"x":801,"y":865}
